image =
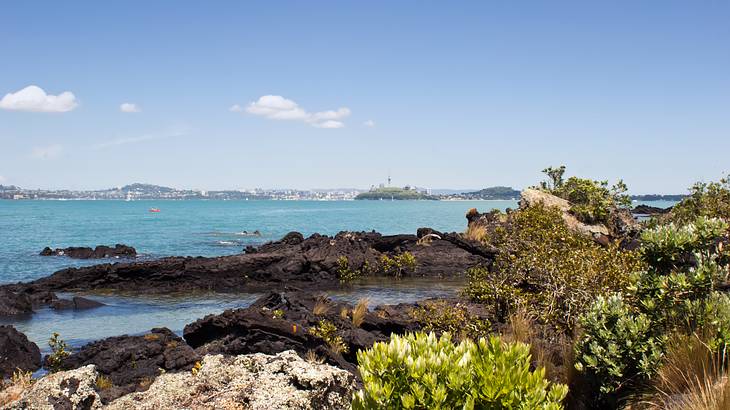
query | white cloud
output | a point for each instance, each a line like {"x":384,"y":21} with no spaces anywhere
{"x":369,"y":123}
{"x":33,"y":98}
{"x":47,"y":152}
{"x":2,"y":179}
{"x":329,"y":124}
{"x":276,"y":107}
{"x":129,"y":107}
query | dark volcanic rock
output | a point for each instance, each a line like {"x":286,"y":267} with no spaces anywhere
{"x":284,"y":321}
{"x":650,"y":210}
{"x":17,"y":352}
{"x":101,"y":251}
{"x":14,"y":303}
{"x":312,"y":262}
{"x":132,"y":362}
{"x":76,"y":303}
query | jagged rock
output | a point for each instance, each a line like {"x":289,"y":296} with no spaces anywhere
{"x":531,"y":197}
{"x":76,"y":303}
{"x":257,"y":382}
{"x":101,"y":251}
{"x":313,"y":262}
{"x":14,"y":303}
{"x":131,"y":362}
{"x":284,"y":321}
{"x":650,"y":210}
{"x":69,"y":390}
{"x":17,"y":352}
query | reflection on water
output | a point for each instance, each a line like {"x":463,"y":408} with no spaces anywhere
{"x":126,"y":314}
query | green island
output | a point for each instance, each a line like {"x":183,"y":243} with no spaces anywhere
{"x":395,"y":193}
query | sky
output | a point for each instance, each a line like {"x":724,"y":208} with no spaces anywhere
{"x":229,"y":95}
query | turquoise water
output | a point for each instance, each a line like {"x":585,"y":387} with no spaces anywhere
{"x":208,"y":228}
{"x":192,"y":228}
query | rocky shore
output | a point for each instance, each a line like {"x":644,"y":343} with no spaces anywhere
{"x":101,"y":251}
{"x":292,"y":348}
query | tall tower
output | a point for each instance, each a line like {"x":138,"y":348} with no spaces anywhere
{"x":388,"y":178}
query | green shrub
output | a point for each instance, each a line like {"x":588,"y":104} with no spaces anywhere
{"x":705,"y":199}
{"x":623,"y":336}
{"x":420,"y":371}
{"x":617,"y":346}
{"x":553,"y":272}
{"x":398,"y":264}
{"x":58,"y":353}
{"x":327,"y":331}
{"x":344,"y":272}
{"x":441,"y":316}
{"x":590,"y":201}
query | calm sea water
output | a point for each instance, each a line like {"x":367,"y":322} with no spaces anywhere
{"x":208,"y":228}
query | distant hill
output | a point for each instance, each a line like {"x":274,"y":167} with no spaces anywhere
{"x":657,"y":197}
{"x":492,"y":193}
{"x":388,"y":193}
{"x":146,"y":188}
{"x":9,"y":188}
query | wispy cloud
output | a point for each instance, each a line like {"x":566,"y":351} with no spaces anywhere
{"x":35,"y":99}
{"x":47,"y":152}
{"x":369,"y":123}
{"x":2,"y":179}
{"x":129,"y":108}
{"x":140,"y":138}
{"x":276,"y":107}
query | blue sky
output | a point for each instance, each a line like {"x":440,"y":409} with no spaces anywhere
{"x":442,"y":95}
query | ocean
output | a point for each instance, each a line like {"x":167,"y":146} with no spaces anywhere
{"x":197,"y":228}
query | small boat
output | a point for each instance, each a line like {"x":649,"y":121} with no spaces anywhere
{"x":154,"y":209}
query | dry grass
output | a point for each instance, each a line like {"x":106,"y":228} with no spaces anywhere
{"x":475,"y":232}
{"x":321,"y":306}
{"x":103,"y":382}
{"x":361,"y":309}
{"x":14,"y":388}
{"x":151,"y":337}
{"x":313,"y":358}
{"x":693,"y":377}
{"x":555,"y":356}
{"x":344,"y":313}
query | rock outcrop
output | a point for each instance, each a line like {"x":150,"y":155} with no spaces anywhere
{"x":101,"y":251}
{"x":132,"y":362}
{"x":650,"y":210}
{"x":313,"y":262}
{"x":620,"y":222}
{"x":258,"y":381}
{"x":17,"y":352}
{"x":14,"y":303}
{"x":290,"y":321}
{"x":72,"y":390}
{"x":75,"y":303}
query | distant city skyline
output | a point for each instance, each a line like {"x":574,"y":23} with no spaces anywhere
{"x":465,"y":95}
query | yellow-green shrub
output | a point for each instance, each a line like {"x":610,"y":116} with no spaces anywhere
{"x":420,"y":371}
{"x":553,"y":272}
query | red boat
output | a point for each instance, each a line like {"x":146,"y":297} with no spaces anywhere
{"x":154,"y":209}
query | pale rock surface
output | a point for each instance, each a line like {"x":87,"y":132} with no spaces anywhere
{"x":69,"y":390}
{"x":531,"y":197}
{"x":256,"y":381}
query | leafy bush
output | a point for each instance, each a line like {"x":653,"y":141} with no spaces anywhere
{"x":425,"y":372}
{"x":705,"y":199}
{"x":327,"y":331}
{"x":54,"y":361}
{"x":553,"y":272}
{"x":624,"y":336}
{"x":617,"y":346}
{"x":590,"y":201}
{"x":441,"y":316}
{"x":398,"y":264}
